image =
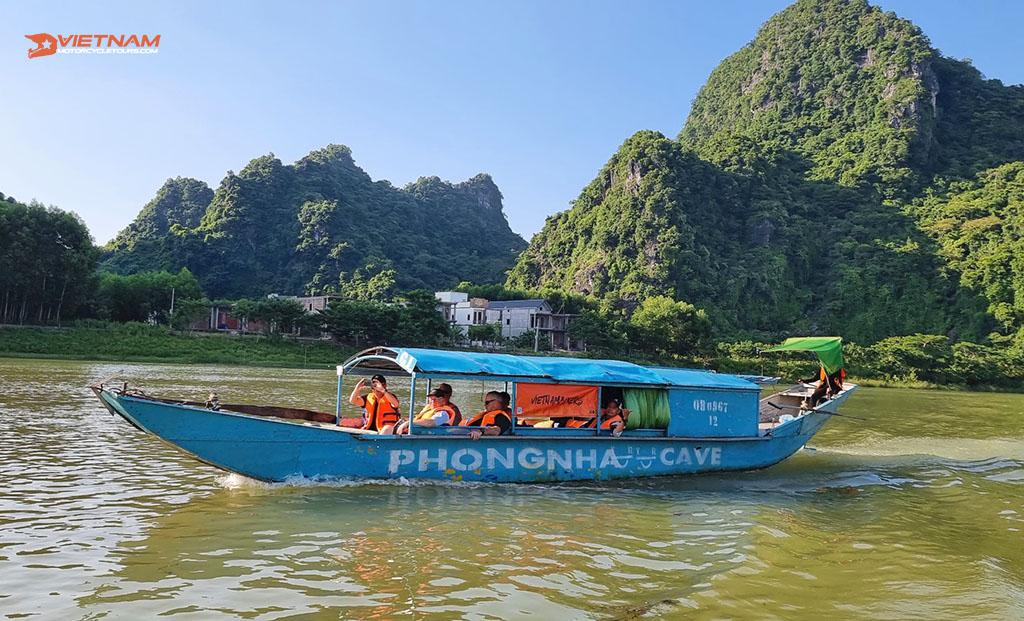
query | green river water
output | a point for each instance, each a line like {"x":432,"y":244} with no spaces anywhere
{"x":917,"y":513}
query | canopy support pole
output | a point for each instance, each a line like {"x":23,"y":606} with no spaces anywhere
{"x":337,"y":407}
{"x":512,"y":405}
{"x":412,"y":400}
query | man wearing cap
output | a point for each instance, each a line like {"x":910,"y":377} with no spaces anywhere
{"x":435,"y":414}
{"x":447,"y":388}
{"x":380,"y":406}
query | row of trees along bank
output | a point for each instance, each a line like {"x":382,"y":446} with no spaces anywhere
{"x":48,"y":263}
{"x":50,"y":275}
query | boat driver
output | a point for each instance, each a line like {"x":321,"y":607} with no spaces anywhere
{"x":829,"y":385}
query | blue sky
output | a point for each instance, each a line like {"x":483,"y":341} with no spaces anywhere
{"x":538,"y":94}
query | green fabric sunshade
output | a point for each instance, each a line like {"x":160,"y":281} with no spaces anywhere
{"x":650,"y":408}
{"x":828,"y":348}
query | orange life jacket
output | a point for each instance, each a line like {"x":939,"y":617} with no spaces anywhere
{"x":839,"y":377}
{"x":456,"y":415}
{"x":379,"y":412}
{"x":428,"y":412}
{"x":606,"y":423}
{"x":487,"y":419}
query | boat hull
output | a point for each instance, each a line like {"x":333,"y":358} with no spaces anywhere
{"x":276,"y":450}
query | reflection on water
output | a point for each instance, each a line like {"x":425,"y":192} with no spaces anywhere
{"x":914,"y":514}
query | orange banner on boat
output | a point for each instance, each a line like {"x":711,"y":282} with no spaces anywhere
{"x":555,"y":400}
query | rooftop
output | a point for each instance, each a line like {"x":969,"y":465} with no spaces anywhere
{"x":502,"y":304}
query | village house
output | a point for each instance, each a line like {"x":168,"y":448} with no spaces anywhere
{"x":460,"y":310}
{"x":220,"y":318}
{"x":516,"y":317}
{"x":314,"y":303}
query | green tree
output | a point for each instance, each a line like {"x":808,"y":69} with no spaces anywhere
{"x":486,"y":333}
{"x":189,"y":310}
{"x":281,"y":314}
{"x":596,"y":332}
{"x":48,"y":261}
{"x":670,"y":328}
{"x":145,"y":296}
{"x":361,"y":322}
{"x":419,"y":322}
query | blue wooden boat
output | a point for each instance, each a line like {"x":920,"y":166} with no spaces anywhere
{"x":713,"y":422}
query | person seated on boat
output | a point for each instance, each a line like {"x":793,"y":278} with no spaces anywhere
{"x":506,"y":404}
{"x":613,"y":417}
{"x":448,"y":401}
{"x":434,"y":414}
{"x":380,"y":407}
{"x":827,"y":384}
{"x":213,"y":402}
{"x":494,"y":420}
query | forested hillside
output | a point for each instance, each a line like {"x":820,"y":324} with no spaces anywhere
{"x":836,"y":175}
{"x":320,"y":225}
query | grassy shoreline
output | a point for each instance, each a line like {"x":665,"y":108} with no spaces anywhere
{"x":146,"y":343}
{"x":157,"y":344}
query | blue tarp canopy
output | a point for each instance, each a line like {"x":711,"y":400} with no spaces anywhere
{"x":581,"y":370}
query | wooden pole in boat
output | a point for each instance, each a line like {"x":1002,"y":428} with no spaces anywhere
{"x":793,"y":407}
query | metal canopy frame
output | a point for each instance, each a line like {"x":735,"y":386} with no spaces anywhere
{"x":385,"y":361}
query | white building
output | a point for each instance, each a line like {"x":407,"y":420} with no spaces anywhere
{"x":516,"y":316}
{"x":446,"y":302}
{"x":460,"y":310}
{"x":311,"y":303}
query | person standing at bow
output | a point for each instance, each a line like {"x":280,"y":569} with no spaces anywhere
{"x":828,"y":384}
{"x":380,"y":407}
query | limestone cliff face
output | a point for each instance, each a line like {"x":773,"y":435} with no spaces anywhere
{"x":179,"y":202}
{"x":320,"y":225}
{"x":799,"y":194}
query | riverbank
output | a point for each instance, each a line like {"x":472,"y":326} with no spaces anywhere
{"x":975,"y":369}
{"x":135,"y":342}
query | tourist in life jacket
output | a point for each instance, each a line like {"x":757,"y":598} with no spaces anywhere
{"x":380,"y":407}
{"x":494,"y":420}
{"x":612,"y":417}
{"x":448,"y":401}
{"x":435,"y":414}
{"x":506,"y":404}
{"x":827,"y":384}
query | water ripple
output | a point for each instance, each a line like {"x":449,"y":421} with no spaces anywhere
{"x":101,"y":521}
